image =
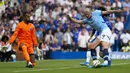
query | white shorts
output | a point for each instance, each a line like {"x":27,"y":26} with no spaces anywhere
{"x":105,"y":35}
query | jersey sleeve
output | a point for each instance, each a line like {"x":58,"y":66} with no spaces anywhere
{"x":85,"y":21}
{"x":98,"y":12}
{"x":15,"y":34}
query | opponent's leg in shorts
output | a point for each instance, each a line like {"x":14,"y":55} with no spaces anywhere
{"x":92,"y":46}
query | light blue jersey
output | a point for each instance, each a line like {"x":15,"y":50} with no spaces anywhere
{"x":96,"y":21}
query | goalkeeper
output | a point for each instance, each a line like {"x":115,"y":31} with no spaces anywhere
{"x":25,"y":32}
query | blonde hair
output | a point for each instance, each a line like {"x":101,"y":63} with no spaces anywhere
{"x":87,"y":10}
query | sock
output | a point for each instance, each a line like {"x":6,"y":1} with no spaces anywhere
{"x":93,"y":54}
{"x":88,"y":56}
{"x":25,"y":53}
{"x":98,"y":52}
{"x":109,"y":50}
{"x":32,"y":59}
{"x":106,"y":55}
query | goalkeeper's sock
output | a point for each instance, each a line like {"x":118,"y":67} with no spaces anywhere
{"x":88,"y":56}
{"x":93,"y":54}
{"x":106,"y":55}
{"x":25,"y":53}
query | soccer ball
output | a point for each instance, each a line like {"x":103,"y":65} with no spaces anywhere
{"x":96,"y":63}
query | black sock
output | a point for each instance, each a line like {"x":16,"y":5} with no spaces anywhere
{"x":105,"y":54}
{"x":94,"y":54}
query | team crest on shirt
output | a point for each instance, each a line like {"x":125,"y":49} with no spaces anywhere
{"x":30,"y":29}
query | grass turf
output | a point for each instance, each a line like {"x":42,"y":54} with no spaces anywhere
{"x":63,"y":66}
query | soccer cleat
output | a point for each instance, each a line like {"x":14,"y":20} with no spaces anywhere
{"x":91,"y":67}
{"x":104,"y":64}
{"x":108,"y":64}
{"x":94,"y":66}
{"x":29,"y":65}
{"x":84,"y":64}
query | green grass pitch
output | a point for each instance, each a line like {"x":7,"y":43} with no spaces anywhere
{"x":63,"y":66}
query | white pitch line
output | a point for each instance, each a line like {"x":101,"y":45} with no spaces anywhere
{"x":49,"y":69}
{"x":60,"y":68}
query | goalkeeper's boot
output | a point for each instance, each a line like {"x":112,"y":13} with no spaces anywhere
{"x":29,"y":65}
{"x":84,"y":64}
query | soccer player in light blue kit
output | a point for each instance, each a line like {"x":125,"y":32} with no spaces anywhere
{"x":94,"y":35}
{"x":95,"y":20}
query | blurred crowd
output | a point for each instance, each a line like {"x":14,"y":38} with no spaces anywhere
{"x":55,"y":32}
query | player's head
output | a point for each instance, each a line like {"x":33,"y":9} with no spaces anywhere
{"x":87,"y":12}
{"x":26,"y":17}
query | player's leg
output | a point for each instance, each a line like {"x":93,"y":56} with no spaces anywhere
{"x":26,"y":55}
{"x":92,"y":46}
{"x":105,"y":42}
{"x":32,"y":57}
{"x":110,"y":60}
{"x":88,"y":53}
{"x":88,"y":57}
{"x":106,"y":56}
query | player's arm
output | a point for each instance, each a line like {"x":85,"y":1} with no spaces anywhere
{"x":13,"y":37}
{"x":75,"y":20}
{"x":111,"y":11}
